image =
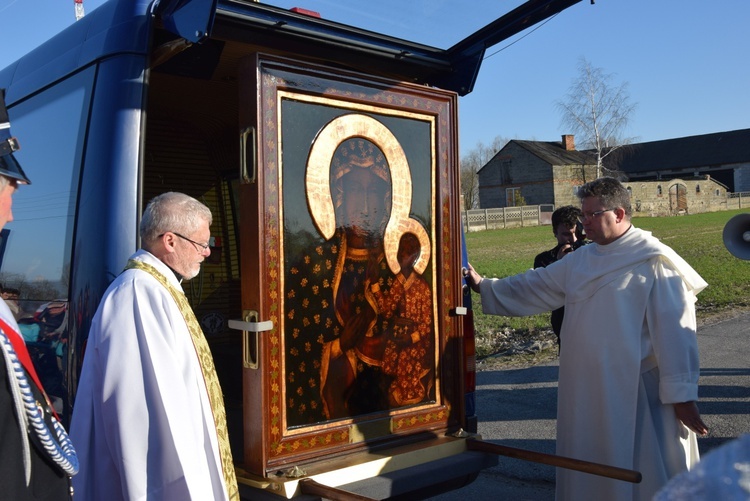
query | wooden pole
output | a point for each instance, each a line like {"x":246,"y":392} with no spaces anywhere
{"x":602,"y":470}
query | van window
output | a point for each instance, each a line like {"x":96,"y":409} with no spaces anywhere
{"x":35,"y":254}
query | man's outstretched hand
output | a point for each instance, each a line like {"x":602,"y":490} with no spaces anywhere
{"x":472,"y":277}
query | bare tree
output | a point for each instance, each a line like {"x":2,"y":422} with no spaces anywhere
{"x":469,"y":186}
{"x":597,"y":111}
{"x":471,"y":163}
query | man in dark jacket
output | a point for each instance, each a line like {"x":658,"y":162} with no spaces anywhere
{"x":567,"y":231}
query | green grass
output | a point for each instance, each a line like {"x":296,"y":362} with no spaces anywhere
{"x":697,"y":238}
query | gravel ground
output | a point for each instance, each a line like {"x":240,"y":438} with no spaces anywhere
{"x":512,"y":349}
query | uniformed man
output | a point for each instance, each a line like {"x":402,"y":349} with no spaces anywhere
{"x":36,"y":456}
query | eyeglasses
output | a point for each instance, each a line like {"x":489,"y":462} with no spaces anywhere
{"x":594,"y":214}
{"x":203,"y":247}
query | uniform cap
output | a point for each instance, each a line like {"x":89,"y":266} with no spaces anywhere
{"x":9,"y":166}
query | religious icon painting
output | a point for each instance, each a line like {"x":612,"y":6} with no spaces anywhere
{"x":352,"y":200}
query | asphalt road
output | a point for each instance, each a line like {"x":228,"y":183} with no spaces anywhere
{"x":517,"y":408}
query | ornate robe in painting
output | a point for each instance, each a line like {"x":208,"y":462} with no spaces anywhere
{"x":350,"y":377}
{"x":408,"y":349}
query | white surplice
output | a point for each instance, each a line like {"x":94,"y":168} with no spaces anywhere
{"x":628,"y":351}
{"x":142,"y":421}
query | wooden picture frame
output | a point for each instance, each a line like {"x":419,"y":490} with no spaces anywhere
{"x":351,"y":252}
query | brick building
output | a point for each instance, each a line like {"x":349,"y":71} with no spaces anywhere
{"x":676,"y":176}
{"x":725,"y":156}
{"x":541,"y":172}
{"x":677,"y":196}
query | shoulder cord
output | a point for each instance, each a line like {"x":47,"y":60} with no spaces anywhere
{"x":58,"y":447}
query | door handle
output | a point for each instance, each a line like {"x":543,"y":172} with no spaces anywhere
{"x":248,"y":156}
{"x":250,"y":347}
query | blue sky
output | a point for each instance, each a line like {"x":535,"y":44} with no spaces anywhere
{"x":687,"y":62}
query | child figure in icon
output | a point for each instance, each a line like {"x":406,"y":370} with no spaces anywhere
{"x":407,"y":307}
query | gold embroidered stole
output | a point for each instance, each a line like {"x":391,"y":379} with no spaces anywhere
{"x":209,"y":374}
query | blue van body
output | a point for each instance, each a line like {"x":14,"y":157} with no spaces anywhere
{"x":140,"y":97}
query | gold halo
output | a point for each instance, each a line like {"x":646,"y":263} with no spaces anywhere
{"x":318,"y":176}
{"x":415,"y":228}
